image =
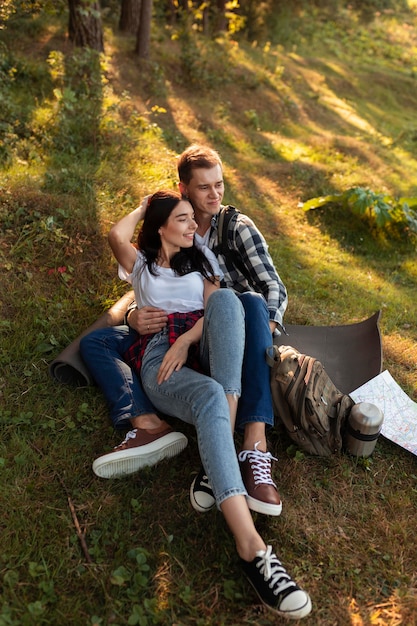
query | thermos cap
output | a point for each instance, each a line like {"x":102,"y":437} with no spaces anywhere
{"x":367,"y":414}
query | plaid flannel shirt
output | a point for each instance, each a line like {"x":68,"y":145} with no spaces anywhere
{"x":178,"y":323}
{"x":248,"y":242}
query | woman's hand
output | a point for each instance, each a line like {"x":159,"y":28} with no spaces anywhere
{"x":174,"y":358}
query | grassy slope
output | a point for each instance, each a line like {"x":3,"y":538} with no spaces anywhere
{"x":290,"y":125}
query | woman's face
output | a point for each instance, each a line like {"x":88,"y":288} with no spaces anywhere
{"x":178,"y":231}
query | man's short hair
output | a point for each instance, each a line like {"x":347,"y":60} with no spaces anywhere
{"x":194,"y":157}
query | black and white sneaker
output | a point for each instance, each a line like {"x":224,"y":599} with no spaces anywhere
{"x":275,"y":587}
{"x":201,"y":494}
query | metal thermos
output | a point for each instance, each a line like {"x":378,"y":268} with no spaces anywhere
{"x":362,"y":429}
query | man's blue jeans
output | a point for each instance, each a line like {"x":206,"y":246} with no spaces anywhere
{"x":103,"y":349}
{"x":255,"y":404}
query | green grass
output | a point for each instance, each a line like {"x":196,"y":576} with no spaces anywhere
{"x":82,"y":142}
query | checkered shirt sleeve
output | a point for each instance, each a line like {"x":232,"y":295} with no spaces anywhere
{"x":248,"y":242}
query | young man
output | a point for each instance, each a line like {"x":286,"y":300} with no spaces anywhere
{"x":264,"y":299}
{"x":251,"y":274}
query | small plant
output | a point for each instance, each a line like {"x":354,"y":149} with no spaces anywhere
{"x":379,"y":209}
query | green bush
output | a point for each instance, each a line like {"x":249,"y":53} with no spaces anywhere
{"x":379,"y":209}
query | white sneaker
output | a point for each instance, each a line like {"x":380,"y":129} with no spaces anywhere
{"x":275,"y":587}
{"x":201,"y":493}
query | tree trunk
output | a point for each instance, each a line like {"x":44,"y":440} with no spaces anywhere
{"x":129,"y":16}
{"x":84,"y":27}
{"x":221,"y":22}
{"x":172,"y":12}
{"x":206,"y":21}
{"x":143,"y":38}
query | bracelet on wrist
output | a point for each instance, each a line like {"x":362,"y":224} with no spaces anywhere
{"x":130,"y":308}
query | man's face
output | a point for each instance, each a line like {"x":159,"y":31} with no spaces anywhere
{"x":205,"y":190}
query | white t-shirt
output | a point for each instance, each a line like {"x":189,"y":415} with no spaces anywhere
{"x":202,"y":241}
{"x":167,"y":290}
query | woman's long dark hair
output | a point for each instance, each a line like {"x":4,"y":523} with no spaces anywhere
{"x":160,"y":206}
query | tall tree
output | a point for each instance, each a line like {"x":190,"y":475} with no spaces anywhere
{"x":129,"y":16}
{"x":221,"y":20}
{"x":85,"y":28}
{"x":143,"y":37}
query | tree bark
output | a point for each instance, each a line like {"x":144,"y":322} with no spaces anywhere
{"x":143,"y":38}
{"x":221,"y":22}
{"x":129,"y":16}
{"x":84,"y":27}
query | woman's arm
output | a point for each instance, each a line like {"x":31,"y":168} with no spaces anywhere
{"x":177,"y":354}
{"x":209,"y":288}
{"x":120,"y":237}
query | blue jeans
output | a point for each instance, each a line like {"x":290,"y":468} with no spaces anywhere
{"x":103,"y":350}
{"x":201,"y":400}
{"x":255,"y":404}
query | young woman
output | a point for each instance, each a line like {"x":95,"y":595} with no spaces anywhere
{"x":168,"y":271}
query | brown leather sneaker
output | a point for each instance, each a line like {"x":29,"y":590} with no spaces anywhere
{"x":140,"y":448}
{"x":255,"y":467}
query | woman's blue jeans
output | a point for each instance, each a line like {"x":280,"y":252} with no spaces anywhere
{"x":201,"y":400}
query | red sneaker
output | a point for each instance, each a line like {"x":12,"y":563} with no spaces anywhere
{"x":140,"y":448}
{"x":255,"y":467}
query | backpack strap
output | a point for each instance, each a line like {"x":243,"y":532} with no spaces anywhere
{"x":226,"y":215}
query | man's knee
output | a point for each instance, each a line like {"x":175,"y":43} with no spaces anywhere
{"x":86,"y":342}
{"x":254,"y":303}
{"x":101,"y":337}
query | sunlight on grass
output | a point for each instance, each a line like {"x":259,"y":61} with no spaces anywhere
{"x":163,"y":579}
{"x":386,"y":614}
{"x":335,"y":109}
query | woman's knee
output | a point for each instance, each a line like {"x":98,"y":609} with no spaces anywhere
{"x":224,"y":300}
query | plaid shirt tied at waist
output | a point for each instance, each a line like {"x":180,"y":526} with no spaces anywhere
{"x":178,"y":324}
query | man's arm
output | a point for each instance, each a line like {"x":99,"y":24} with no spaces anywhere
{"x":250,"y":245}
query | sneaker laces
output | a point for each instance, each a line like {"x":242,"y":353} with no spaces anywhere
{"x":273,"y":571}
{"x":260,"y":463}
{"x":202,"y":480}
{"x":129,"y":435}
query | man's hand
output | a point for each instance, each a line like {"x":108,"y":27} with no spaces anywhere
{"x":272,"y":325}
{"x":147,"y":320}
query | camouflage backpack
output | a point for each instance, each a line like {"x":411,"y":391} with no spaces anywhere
{"x":311,"y":408}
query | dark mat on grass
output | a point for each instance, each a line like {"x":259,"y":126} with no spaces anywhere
{"x":351,"y":354}
{"x":68,"y":367}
